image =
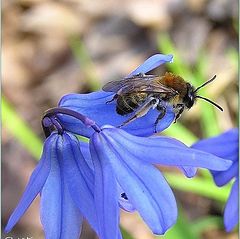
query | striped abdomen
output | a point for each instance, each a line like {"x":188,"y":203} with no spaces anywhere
{"x":127,"y":103}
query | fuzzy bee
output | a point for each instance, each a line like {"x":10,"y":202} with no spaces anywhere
{"x":140,"y":93}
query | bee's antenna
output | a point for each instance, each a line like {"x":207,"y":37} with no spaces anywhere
{"x":213,"y":103}
{"x":207,"y":82}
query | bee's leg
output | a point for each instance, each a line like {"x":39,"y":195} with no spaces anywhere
{"x":162,"y":111}
{"x":140,"y":74}
{"x":142,"y":111}
{"x":114,"y":98}
{"x":180,"y":109}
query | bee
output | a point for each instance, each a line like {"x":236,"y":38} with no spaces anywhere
{"x":140,"y":93}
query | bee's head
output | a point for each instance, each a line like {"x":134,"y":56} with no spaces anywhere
{"x":190,"y":96}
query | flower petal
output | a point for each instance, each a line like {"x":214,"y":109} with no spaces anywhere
{"x":84,"y":147}
{"x":224,"y":145}
{"x":152,"y":63}
{"x":189,"y":171}
{"x":59,"y":215}
{"x":94,"y":106}
{"x":106,"y":200}
{"x":231,"y":210}
{"x":160,"y":150}
{"x":144,"y":185}
{"x":35,"y":184}
{"x":150,"y":194}
{"x":223,"y":177}
{"x":79,"y":178}
{"x":123,"y":203}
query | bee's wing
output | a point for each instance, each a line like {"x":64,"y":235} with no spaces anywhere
{"x":115,"y":86}
{"x":157,"y":87}
{"x":128,"y":83}
{"x":145,"y":84}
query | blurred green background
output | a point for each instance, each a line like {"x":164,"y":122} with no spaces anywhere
{"x":51,"y":48}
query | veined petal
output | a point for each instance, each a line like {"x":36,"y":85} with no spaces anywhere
{"x":144,"y":185}
{"x":94,"y":106}
{"x":35,"y":184}
{"x":59,"y":215}
{"x":152,"y":63}
{"x":231,"y":210}
{"x":105,"y":193}
{"x":123,"y":203}
{"x":161,"y":151}
{"x":188,"y":171}
{"x":84,"y":147}
{"x":150,"y":195}
{"x":82,"y":162}
{"x":79,"y":178}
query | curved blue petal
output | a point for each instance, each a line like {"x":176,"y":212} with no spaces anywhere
{"x":223,"y":177}
{"x":231,"y":210}
{"x":105,"y":193}
{"x":152,"y":63}
{"x":224,"y":145}
{"x":161,"y":151}
{"x":35,"y":184}
{"x":79,"y":178}
{"x":94,"y":106}
{"x":144,"y":185}
{"x":59,"y":215}
{"x":188,"y":171}
{"x":149,"y":193}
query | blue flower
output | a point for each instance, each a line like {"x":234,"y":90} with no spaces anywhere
{"x":65,"y":183}
{"x":124,"y":164}
{"x":225,"y":146}
{"x":94,"y":106}
{"x":124,"y":177}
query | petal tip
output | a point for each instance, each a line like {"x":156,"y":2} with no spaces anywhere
{"x":7,"y":228}
{"x":170,"y":58}
{"x":160,"y":230}
{"x":229,"y":226}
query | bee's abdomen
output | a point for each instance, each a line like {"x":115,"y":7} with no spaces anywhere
{"x":127,"y":104}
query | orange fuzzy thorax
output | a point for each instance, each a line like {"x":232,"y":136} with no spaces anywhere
{"x":175,"y":82}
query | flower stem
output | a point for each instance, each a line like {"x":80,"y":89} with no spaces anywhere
{"x":50,"y":119}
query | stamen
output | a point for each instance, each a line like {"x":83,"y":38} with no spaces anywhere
{"x":50,"y":124}
{"x":57,"y":125}
{"x":47,"y":124}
